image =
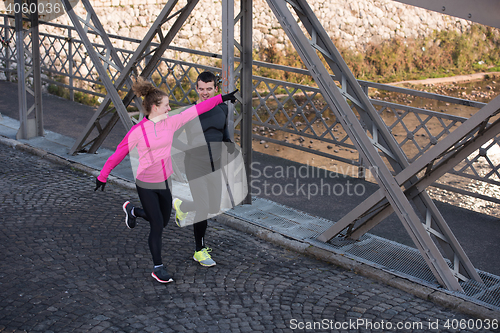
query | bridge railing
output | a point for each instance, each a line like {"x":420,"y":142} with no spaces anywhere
{"x":285,"y":114}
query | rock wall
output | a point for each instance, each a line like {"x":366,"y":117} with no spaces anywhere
{"x":351,"y":24}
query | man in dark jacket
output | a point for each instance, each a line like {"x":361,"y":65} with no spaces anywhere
{"x":202,"y":158}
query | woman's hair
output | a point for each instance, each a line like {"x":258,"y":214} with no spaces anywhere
{"x":152,"y":95}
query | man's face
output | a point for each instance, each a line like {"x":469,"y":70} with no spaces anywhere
{"x":205,"y":90}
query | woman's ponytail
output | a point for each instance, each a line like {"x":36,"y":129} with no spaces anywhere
{"x":151,"y":95}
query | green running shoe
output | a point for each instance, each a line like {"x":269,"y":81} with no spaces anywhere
{"x":179,"y":215}
{"x":204,"y":258}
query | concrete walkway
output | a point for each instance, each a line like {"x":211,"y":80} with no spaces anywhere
{"x":450,"y":79}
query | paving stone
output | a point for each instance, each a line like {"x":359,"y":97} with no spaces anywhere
{"x":69,"y":264}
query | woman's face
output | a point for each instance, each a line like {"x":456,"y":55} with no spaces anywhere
{"x":161,"y":109}
{"x":164,"y":105}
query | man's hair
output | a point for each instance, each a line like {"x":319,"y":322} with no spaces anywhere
{"x":207,"y":77}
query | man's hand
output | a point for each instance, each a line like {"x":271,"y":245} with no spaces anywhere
{"x":230,"y":146}
{"x":230,"y":97}
{"x":98,"y":184}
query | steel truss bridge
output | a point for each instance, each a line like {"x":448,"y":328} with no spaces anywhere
{"x":449,"y":144}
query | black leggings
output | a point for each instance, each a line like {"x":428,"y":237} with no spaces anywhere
{"x":199,"y":234}
{"x":156,"y":200}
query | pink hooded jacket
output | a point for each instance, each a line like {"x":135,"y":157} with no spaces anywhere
{"x":153,"y":141}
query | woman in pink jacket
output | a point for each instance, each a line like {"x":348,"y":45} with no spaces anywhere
{"x":152,"y":139}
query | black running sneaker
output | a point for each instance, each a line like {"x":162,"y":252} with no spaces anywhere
{"x":129,"y":218}
{"x":161,"y":275}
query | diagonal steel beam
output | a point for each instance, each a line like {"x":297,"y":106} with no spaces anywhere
{"x":101,"y":65}
{"x":351,"y":90}
{"x":427,"y":179}
{"x":472,"y":134}
{"x":440,"y":169}
{"x":444,"y":146}
{"x":477,"y":121}
{"x":381,"y":137}
{"x":141,"y":53}
{"x":336,"y":99}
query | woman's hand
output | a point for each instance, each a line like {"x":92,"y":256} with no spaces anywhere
{"x":98,"y":184}
{"x":230,"y":97}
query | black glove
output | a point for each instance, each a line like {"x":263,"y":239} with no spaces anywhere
{"x":98,"y":184}
{"x":230,"y":97}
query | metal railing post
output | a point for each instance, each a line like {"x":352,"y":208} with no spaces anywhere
{"x":228,"y":79}
{"x":37,"y":71}
{"x":246,"y":90}
{"x":70,"y":64}
{"x":23,"y":107}
{"x":7,"y":49}
{"x":29,"y":127}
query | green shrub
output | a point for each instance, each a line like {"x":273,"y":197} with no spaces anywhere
{"x":444,"y":53}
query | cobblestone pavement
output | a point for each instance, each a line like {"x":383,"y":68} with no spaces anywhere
{"x":69,"y":264}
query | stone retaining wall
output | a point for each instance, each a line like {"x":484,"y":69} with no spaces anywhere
{"x":352,"y":24}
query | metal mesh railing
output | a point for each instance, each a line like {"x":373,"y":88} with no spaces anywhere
{"x":285,"y":114}
{"x":370,"y":249}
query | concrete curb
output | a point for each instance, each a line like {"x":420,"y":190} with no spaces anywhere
{"x":436,"y":296}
